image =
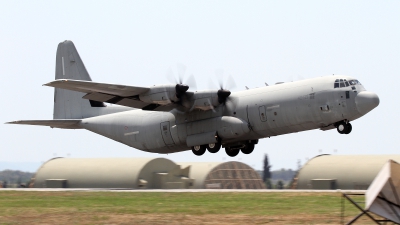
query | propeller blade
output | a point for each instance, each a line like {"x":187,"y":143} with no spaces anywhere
{"x":181,"y":71}
{"x":231,"y":103}
{"x":219,"y":73}
{"x":230,"y":84}
{"x":170,"y":76}
{"x":191,"y":82}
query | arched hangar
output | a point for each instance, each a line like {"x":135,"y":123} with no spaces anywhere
{"x":130,"y":173}
{"x":227,"y":175}
{"x":351,"y":172}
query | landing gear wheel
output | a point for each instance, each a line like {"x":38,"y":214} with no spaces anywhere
{"x":199,"y":149}
{"x":341,"y":127}
{"x":248,"y":148}
{"x":348,"y":129}
{"x":232,"y":152}
{"x":214,"y":148}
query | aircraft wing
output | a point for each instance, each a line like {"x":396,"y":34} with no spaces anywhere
{"x":94,"y":87}
{"x":65,"y":124}
{"x":111,"y":93}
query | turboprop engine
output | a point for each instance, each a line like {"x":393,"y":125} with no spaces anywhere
{"x":206,"y":100}
{"x":164,"y":94}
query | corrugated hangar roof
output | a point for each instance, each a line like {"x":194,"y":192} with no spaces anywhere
{"x":224,"y":175}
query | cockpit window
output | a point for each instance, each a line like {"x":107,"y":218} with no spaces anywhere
{"x":339,"y":83}
{"x":336,"y":83}
{"x":354,"y":82}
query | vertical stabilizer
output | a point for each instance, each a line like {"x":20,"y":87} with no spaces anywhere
{"x":69,"y":104}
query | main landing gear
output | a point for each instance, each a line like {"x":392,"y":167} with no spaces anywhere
{"x":245,"y":149}
{"x":344,"y":127}
{"x":201,"y":149}
{"x":232,"y":151}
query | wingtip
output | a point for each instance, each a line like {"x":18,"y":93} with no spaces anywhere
{"x":50,"y":84}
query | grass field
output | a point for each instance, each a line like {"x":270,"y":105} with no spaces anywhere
{"x":172,"y":208}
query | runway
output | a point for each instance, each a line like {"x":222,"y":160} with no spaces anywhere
{"x":181,"y":190}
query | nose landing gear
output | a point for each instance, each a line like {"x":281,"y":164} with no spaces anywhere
{"x":344,"y":127}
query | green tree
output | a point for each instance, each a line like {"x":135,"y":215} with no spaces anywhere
{"x":267,"y":167}
{"x":279,"y":184}
{"x":268,"y":184}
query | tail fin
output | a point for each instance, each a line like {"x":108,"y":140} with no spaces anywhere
{"x":69,"y":104}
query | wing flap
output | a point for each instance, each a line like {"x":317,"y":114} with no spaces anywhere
{"x":105,"y":88}
{"x":64,"y":124}
{"x":100,"y":97}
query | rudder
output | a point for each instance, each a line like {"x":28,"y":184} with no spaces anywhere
{"x":69,"y":65}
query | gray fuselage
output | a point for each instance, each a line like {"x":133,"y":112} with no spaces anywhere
{"x":258,"y":113}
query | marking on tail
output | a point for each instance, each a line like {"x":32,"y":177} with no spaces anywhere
{"x":62,"y":60}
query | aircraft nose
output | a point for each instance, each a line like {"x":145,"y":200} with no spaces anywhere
{"x":366,"y":101}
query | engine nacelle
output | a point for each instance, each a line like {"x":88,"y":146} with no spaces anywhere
{"x":162,"y":94}
{"x":205,"y":100}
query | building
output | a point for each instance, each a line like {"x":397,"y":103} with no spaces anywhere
{"x":129,"y":173}
{"x":143,"y":173}
{"x":228,"y":175}
{"x":352,"y":172}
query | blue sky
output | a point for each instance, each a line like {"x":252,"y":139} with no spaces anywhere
{"x":135,"y":42}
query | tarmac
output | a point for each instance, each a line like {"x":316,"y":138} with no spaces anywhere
{"x":182,"y":190}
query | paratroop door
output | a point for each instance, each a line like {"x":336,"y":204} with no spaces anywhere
{"x":166,"y":133}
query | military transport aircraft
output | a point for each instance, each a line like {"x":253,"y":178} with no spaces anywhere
{"x":170,"y":118}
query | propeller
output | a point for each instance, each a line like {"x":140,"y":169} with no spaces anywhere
{"x":224,"y":93}
{"x":181,"y":88}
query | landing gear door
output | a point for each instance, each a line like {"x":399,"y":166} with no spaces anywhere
{"x":166,"y":133}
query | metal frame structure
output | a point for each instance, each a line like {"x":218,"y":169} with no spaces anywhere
{"x":363,"y":211}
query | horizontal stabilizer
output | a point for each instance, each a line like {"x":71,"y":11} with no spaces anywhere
{"x":89,"y":87}
{"x":64,"y":124}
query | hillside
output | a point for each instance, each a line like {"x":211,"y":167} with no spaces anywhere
{"x":15,"y":176}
